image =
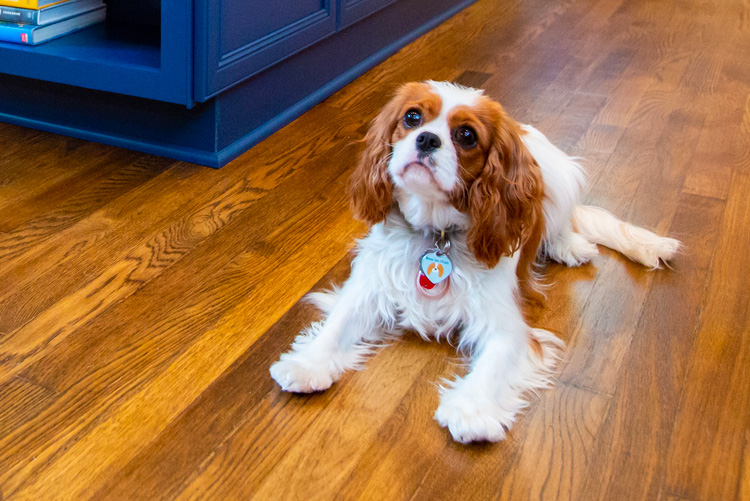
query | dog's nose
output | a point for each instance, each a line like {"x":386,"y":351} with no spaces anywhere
{"x":428,"y":142}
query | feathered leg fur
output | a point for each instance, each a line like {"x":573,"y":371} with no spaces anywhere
{"x":327,"y":349}
{"x":573,"y":230}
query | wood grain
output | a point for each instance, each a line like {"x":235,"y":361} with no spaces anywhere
{"x":142,"y":300}
{"x":408,"y":436}
{"x":745,"y":475}
{"x":628,"y":460}
{"x":216,"y":415}
{"x":148,"y":344}
{"x":705,"y":456}
{"x":28,"y":398}
{"x":563,"y":428}
{"x":296,"y":472}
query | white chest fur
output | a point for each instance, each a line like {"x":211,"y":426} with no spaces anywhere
{"x":388,"y":258}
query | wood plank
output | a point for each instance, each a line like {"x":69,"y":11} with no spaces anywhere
{"x":362,"y":400}
{"x":607,"y":326}
{"x":745,"y":475}
{"x":708,"y":179}
{"x":608,"y":125}
{"x":410,"y":436}
{"x":124,"y":278}
{"x":721,"y":147}
{"x":33,"y":161}
{"x":28,"y":398}
{"x":502,"y":23}
{"x":190,"y":440}
{"x":149,"y":408}
{"x":91,"y":362}
{"x":300,"y":195}
{"x":555,"y":457}
{"x":629,"y":459}
{"x":668,"y":496}
{"x":42,"y":277}
{"x":97,"y":181}
{"x":704,"y":459}
{"x":568,"y":128}
{"x":472,"y":472}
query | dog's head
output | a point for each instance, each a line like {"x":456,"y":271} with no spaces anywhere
{"x":448,"y":148}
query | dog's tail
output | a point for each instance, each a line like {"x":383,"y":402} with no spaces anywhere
{"x":638,"y":244}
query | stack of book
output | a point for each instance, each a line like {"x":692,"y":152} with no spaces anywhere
{"x":36,"y":21}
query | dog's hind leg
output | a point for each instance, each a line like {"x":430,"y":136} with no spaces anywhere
{"x":564,"y":178}
{"x":638,"y":244}
{"x":568,"y":247}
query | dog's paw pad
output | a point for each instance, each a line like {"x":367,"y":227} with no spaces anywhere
{"x":302,"y":376}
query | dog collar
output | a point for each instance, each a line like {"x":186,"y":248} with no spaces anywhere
{"x":435,"y":268}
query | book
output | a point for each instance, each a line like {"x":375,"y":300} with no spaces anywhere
{"x":48,"y":15}
{"x":30,"y":4}
{"x":32,"y":35}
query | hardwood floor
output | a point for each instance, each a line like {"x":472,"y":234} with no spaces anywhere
{"x":142,"y":300}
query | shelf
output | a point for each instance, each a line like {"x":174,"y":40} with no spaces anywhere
{"x":113,"y":56}
{"x":103,"y":43}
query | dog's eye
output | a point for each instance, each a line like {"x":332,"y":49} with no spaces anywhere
{"x":413,"y":118}
{"x":465,"y":137}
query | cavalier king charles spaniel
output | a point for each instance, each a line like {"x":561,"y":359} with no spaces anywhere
{"x":462,"y":201}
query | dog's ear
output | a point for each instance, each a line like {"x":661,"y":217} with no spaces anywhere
{"x":505,"y":201}
{"x":370,"y":190}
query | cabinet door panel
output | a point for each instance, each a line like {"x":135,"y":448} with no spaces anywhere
{"x":354,"y":10}
{"x":238,"y":38}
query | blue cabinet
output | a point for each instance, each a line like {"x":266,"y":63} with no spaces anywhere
{"x":203,"y":80}
{"x":236,"y":39}
{"x":354,"y":10}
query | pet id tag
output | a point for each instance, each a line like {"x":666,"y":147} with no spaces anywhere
{"x":433,"y":278}
{"x":435,"y":266}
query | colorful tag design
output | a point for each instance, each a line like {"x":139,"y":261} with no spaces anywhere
{"x":436,"y":266}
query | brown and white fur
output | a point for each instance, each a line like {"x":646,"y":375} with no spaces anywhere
{"x":444,"y":157}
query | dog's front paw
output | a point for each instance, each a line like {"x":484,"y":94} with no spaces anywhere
{"x":472,"y":418}
{"x":299,"y":375}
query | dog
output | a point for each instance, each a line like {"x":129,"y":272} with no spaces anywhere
{"x":448,"y":178}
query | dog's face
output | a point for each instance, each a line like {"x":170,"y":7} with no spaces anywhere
{"x":440,"y":141}
{"x":447,"y":146}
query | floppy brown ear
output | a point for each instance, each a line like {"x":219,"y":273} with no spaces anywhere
{"x":505,"y":201}
{"x":370,"y":190}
